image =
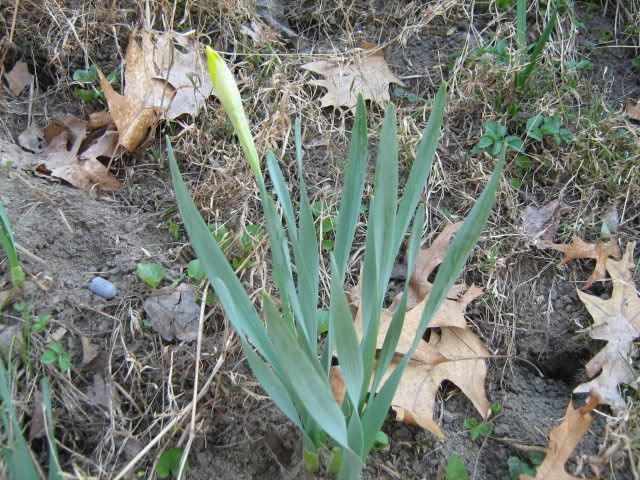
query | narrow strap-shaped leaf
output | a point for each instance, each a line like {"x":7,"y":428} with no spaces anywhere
{"x":282,"y":190}
{"x":449,"y":271}
{"x":521,"y":78}
{"x":354,"y":433}
{"x":521,"y":27}
{"x":350,"y":465}
{"x":353,"y":189}
{"x":395,"y":329}
{"x":271,"y":384}
{"x":347,"y":345}
{"x":421,"y":167}
{"x":311,"y":386}
{"x":55,"y":471}
{"x":243,"y":317}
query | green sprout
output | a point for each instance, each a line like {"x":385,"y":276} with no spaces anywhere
{"x":55,"y":353}
{"x":540,"y":127}
{"x":8,"y":244}
{"x":284,"y":351}
{"x":151,"y":274}
{"x":495,"y":140}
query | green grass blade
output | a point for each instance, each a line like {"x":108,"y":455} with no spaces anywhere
{"x":16,"y":454}
{"x":271,"y":384}
{"x":244,"y":317}
{"x":522,"y":77}
{"x":347,"y":345}
{"x":55,"y":471}
{"x":421,"y":167}
{"x":521,"y":29}
{"x":353,"y":189}
{"x":354,"y":433}
{"x":449,"y":271}
{"x":395,"y":329}
{"x":310,"y":385}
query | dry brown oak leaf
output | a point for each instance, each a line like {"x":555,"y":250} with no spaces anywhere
{"x":19,"y":78}
{"x":165,"y":77}
{"x":455,"y":354}
{"x":617,"y":321}
{"x":540,"y":224}
{"x":599,"y":251}
{"x":562,"y":440}
{"x":367,"y":73}
{"x":66,"y":155}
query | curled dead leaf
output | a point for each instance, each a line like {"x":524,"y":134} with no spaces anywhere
{"x":540,"y":225}
{"x":633,"y":109}
{"x":367,"y":73}
{"x":19,"y":78}
{"x":563,"y":440}
{"x":599,"y":251}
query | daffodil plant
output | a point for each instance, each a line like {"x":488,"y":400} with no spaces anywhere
{"x":281,"y":342}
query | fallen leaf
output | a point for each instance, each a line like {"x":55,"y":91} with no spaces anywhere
{"x":453,"y":352}
{"x":132,"y":117}
{"x":19,"y":78}
{"x":367,"y":73}
{"x":37,"y":426}
{"x":99,"y":119}
{"x":633,"y":109}
{"x":89,"y":351}
{"x":100,"y":391}
{"x":599,"y":251}
{"x":259,"y":33}
{"x":174,"y":313}
{"x":32,"y":139}
{"x":61,"y":158}
{"x":617,"y":321}
{"x":540,"y":225}
{"x":562,"y":441}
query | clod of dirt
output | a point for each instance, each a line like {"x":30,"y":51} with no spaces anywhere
{"x":174,"y":313}
{"x":633,"y":109}
{"x":367,"y":73}
{"x":540,"y":225}
{"x":616,"y":320}
{"x":599,"y":251}
{"x":562,"y":440}
{"x":100,"y":391}
{"x":19,"y":78}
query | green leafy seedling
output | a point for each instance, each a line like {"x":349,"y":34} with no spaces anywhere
{"x":455,"y":469}
{"x":540,"y":127}
{"x":381,"y":441}
{"x":636,"y":63}
{"x":41,"y":323}
{"x":518,"y":467}
{"x":253,"y":235}
{"x":496,"y":408}
{"x":55,"y":353}
{"x":88,"y":81}
{"x":151,"y":274}
{"x":195,"y":271}
{"x":8,"y":244}
{"x":477,"y":428}
{"x":169,"y":463}
{"x":495,"y":139}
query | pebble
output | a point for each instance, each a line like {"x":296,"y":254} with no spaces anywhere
{"x":103,"y":288}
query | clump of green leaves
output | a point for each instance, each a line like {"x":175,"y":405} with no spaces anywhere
{"x":169,"y":463}
{"x":540,"y":128}
{"x":89,"y":84}
{"x":285,"y":355}
{"x":518,"y":466}
{"x":495,"y":140}
{"x":151,"y":274}
{"x":54,"y":353}
{"x":8,"y":244}
{"x":455,"y":469}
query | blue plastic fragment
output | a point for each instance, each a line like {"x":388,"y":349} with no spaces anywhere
{"x":103,"y":288}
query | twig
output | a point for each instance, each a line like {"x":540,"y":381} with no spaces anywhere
{"x":194,"y":402}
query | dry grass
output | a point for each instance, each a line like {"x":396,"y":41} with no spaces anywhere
{"x":597,"y":170}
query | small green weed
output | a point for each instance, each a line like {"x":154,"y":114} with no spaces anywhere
{"x":55,"y":353}
{"x":477,"y":428}
{"x":87,"y":79}
{"x":495,"y":139}
{"x":541,"y":128}
{"x":579,"y":64}
{"x":41,"y":323}
{"x":455,"y":469}
{"x":8,"y":244}
{"x":169,"y":463}
{"x":522,"y":165}
{"x":195,"y":271}
{"x":518,"y":467}
{"x":636,"y":63}
{"x":151,"y":274}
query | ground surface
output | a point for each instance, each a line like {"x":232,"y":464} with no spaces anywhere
{"x":529,"y":316}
